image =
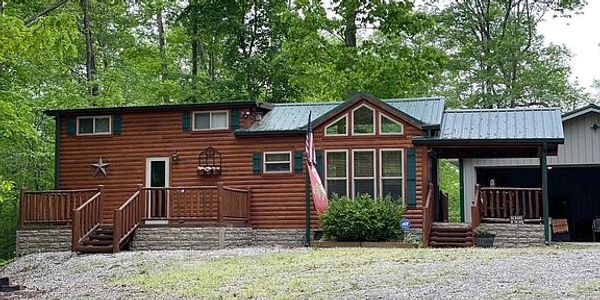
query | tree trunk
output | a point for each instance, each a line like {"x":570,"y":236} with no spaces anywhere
{"x":52,"y":7}
{"x":350,"y":29}
{"x":90,"y":62}
{"x":161,"y":48}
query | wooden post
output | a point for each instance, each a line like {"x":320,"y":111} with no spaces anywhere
{"x":249,"y":206}
{"x":544,"y":166}
{"x":142,"y":199}
{"x":75,"y":230}
{"x":461,"y":176}
{"x":220,"y":193}
{"x":100,"y":203}
{"x":117,"y":214}
{"x":22,"y":208}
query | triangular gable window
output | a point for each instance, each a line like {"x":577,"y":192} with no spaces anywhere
{"x":390,"y":126}
{"x":338,"y":127}
{"x":363,"y":120}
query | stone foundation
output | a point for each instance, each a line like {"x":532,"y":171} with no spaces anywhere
{"x":210,"y":238}
{"x":43,"y":240}
{"x":517,"y":235}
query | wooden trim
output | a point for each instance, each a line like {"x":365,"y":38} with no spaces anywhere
{"x":210,"y":112}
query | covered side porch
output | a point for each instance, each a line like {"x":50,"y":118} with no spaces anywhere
{"x":81,"y":212}
{"x":511,"y":133}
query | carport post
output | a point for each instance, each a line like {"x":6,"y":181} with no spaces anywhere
{"x":544,"y":166}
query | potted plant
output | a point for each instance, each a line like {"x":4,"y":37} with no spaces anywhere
{"x":484,"y":237}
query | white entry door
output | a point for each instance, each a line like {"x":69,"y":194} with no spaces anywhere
{"x":157,"y":176}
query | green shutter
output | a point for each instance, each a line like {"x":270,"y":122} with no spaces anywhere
{"x":320,"y":163}
{"x":117,"y":124}
{"x":256,"y":163}
{"x":298,"y":161}
{"x":235,"y":119}
{"x":71,"y":128}
{"x":411,"y":177}
{"x":185,"y":121}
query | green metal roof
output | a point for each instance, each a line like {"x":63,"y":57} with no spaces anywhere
{"x":294,"y":117}
{"x":499,"y":125}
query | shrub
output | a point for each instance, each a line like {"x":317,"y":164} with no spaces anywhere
{"x":363,"y":219}
{"x":483,"y":230}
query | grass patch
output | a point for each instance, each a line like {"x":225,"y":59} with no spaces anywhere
{"x":315,"y":273}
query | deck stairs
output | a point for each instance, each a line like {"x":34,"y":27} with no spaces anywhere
{"x":451,"y":235}
{"x":100,"y":240}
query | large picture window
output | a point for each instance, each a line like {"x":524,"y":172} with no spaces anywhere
{"x":96,"y":125}
{"x":363,"y":121}
{"x":391,"y":168}
{"x":364,"y":172}
{"x":336,"y":173}
{"x":211,"y":120}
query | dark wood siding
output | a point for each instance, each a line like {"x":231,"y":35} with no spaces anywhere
{"x":277,"y":199}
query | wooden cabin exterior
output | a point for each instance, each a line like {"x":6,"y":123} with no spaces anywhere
{"x":242,"y":164}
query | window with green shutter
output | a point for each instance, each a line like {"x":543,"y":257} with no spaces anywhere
{"x":71,"y":126}
{"x":185,"y":121}
{"x":117,"y":124}
{"x":235,"y":119}
{"x":298,"y":161}
{"x":256,"y":163}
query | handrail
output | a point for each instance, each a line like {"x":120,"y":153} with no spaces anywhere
{"x":428,"y":215}
{"x":91,"y":210}
{"x":127,"y":218}
{"x":476,"y":208}
{"x":498,"y":204}
{"x":508,"y":189}
{"x":50,"y":207}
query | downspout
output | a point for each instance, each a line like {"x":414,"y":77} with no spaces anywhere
{"x":461,"y":175}
{"x":57,"y":152}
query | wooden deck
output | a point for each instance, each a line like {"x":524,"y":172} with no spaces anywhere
{"x":218,"y":205}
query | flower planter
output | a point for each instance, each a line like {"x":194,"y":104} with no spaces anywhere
{"x":485,"y":241}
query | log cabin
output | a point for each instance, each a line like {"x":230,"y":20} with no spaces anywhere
{"x":226,"y":174}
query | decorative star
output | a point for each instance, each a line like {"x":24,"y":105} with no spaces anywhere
{"x":100,"y":167}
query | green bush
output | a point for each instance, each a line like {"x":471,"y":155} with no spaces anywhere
{"x":362,"y":219}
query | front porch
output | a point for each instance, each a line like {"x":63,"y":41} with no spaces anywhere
{"x":80,"y":211}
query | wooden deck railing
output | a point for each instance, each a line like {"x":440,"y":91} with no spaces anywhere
{"x":498,"y":204}
{"x":428,"y":213}
{"x":198,"y":204}
{"x":127,"y":218}
{"x":51,"y":207}
{"x":86,"y":218}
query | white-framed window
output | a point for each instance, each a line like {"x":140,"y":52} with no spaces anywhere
{"x":94,"y":125}
{"x":363,"y":120}
{"x":339,"y":127}
{"x":363,"y":171}
{"x":391,"y":173}
{"x":277,"y":162}
{"x":336,"y":172}
{"x":388,"y":125}
{"x":210,"y":120}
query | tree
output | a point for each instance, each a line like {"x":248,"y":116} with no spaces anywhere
{"x":499,"y":59}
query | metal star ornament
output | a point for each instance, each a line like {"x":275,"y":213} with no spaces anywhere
{"x":100,"y":167}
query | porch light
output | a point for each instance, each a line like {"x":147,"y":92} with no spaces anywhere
{"x":175,"y":156}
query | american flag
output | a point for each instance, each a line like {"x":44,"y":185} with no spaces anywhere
{"x":319,"y":195}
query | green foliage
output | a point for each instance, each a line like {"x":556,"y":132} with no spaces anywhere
{"x":362,"y":219}
{"x":8,"y":222}
{"x":483,"y":230}
{"x":450,"y":183}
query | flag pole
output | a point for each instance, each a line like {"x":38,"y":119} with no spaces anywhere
{"x":307,"y":190}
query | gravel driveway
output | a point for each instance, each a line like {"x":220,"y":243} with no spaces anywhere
{"x":540,"y":273}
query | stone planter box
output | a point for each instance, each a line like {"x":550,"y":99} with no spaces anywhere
{"x":332,"y":244}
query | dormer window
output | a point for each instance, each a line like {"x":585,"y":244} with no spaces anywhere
{"x":363,"y":121}
{"x":389,"y":126}
{"x":93,"y":125}
{"x":338,"y":127}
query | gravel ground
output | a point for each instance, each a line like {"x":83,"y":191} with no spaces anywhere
{"x":539,"y":273}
